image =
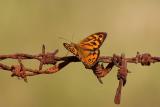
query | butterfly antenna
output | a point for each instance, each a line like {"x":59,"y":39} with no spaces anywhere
{"x":73,"y":36}
{"x":66,"y":40}
{"x":63,"y":39}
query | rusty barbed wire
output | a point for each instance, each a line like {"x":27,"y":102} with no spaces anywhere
{"x":100,"y":71}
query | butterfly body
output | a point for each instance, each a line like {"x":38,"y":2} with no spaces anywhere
{"x":88,"y":49}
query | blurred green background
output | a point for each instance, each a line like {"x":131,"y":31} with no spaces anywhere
{"x":132,"y":25}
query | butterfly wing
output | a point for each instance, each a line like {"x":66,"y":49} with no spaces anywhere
{"x":71,"y":48}
{"x":94,"y":41}
{"x":90,"y":59}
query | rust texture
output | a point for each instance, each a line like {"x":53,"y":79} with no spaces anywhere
{"x":100,"y":69}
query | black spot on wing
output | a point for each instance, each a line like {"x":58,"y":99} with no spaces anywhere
{"x":100,"y":36}
{"x":72,"y":49}
{"x":93,"y":43}
{"x":90,"y":60}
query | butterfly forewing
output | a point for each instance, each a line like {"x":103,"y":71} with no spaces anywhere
{"x":93,"y":41}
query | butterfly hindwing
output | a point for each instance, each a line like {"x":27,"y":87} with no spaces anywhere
{"x":70,"y":48}
{"x":91,"y":59}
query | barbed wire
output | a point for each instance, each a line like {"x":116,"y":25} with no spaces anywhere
{"x":119,"y":61}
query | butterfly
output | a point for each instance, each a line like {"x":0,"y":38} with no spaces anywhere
{"x":87,"y":50}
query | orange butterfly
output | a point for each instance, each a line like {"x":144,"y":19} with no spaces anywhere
{"x":88,"y":49}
